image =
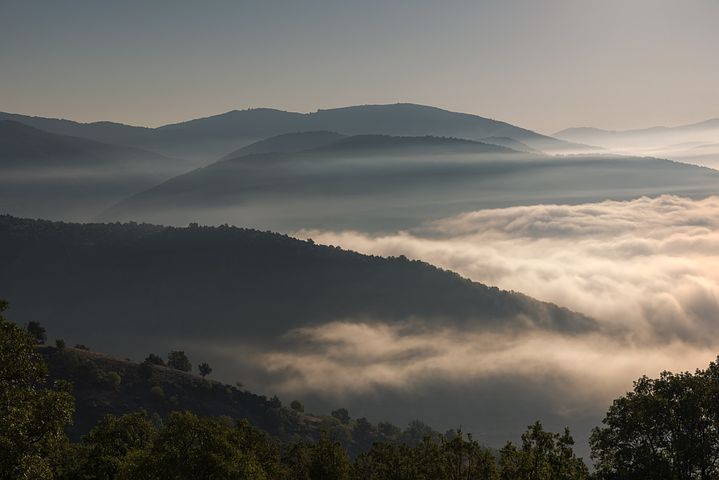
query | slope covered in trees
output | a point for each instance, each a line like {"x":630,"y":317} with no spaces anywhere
{"x":136,"y":287}
{"x":183,"y":445}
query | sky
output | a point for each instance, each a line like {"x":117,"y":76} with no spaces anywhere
{"x":542,"y":64}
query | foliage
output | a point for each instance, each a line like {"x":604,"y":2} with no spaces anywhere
{"x":342,"y":415}
{"x":191,"y":447}
{"x":37,"y":332}
{"x":665,"y":428}
{"x":32,"y":416}
{"x":204,"y":369}
{"x":542,"y":456}
{"x":153,"y":359}
{"x":178,"y":360}
{"x":297,"y":406}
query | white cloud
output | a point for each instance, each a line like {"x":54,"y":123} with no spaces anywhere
{"x":648,"y":267}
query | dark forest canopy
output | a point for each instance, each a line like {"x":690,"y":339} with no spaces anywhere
{"x":134,"y":283}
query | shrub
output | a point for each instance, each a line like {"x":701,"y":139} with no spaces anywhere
{"x":157,"y":392}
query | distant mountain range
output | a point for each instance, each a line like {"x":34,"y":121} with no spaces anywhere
{"x":320,"y":170}
{"x":60,"y":176}
{"x":209,"y":138}
{"x":697,"y":143}
{"x":598,"y":136}
{"x":378,"y":183}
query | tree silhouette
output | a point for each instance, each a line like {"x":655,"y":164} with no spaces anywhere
{"x":178,"y":360}
{"x":204,"y":369}
{"x":37,"y":332}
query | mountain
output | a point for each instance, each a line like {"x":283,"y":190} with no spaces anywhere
{"x":384,"y":183}
{"x":510,"y":143}
{"x":61,"y":176}
{"x":287,"y":142}
{"x":347,"y":180}
{"x":601,"y":136}
{"x":396,"y":119}
{"x":242,"y":299}
{"x":109,"y":132}
{"x":206,"y":139}
{"x":687,"y":143}
{"x":133,"y":287}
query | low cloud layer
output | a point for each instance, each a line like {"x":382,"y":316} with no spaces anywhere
{"x":647,"y":269}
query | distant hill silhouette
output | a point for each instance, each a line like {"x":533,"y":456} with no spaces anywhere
{"x":63,"y":176}
{"x":600,"y":136}
{"x":396,"y":119}
{"x":660,"y":136}
{"x":212,"y":137}
{"x":25,"y":146}
{"x":510,"y":143}
{"x":287,"y":142}
{"x":380,"y":183}
{"x":697,"y":143}
{"x":109,"y":132}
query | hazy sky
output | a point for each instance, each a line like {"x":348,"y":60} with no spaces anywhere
{"x":543,"y":64}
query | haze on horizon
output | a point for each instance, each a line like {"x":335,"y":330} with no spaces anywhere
{"x":543,"y":65}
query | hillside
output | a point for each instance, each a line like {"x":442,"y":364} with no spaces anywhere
{"x":109,"y":132}
{"x":287,"y":142}
{"x":697,"y":143}
{"x":206,"y":139}
{"x":400,"y":119}
{"x":103,"y":384}
{"x":61,"y":176}
{"x":130,"y":288}
{"x":385,"y":183}
{"x":340,"y":185}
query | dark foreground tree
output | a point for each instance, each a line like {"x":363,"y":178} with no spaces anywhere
{"x":542,"y":456}
{"x":189,"y":447}
{"x":32,"y":416}
{"x":114,"y":443}
{"x":665,"y":428}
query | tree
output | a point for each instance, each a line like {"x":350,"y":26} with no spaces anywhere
{"x":60,"y":344}
{"x":328,"y":460}
{"x":543,"y":456}
{"x":465,"y":459}
{"x":37,"y":332}
{"x":189,"y":447}
{"x":297,"y":406}
{"x":32,"y":416}
{"x":178,"y":360}
{"x":342,"y":415}
{"x":204,"y":369}
{"x":155,"y":360}
{"x":665,"y":428}
{"x":113,"y":443}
